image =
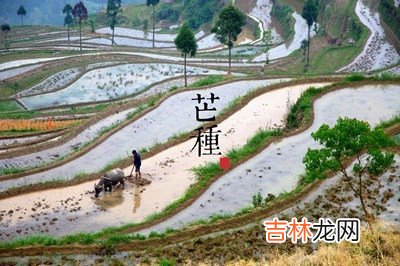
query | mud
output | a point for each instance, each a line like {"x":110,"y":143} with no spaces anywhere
{"x":266,"y":174}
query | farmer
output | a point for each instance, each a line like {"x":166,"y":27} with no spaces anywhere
{"x":137,"y":162}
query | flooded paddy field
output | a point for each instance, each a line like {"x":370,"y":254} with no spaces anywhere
{"x":266,"y":174}
{"x":114,"y":98}
{"x":169,"y":172}
{"x":112,"y":83}
{"x":155,"y":127}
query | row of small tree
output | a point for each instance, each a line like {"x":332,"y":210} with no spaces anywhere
{"x":6,"y":28}
{"x":80,"y":13}
{"x":227,"y":28}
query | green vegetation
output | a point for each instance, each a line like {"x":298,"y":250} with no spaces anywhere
{"x":209,"y":80}
{"x":328,"y":59}
{"x":267,"y":42}
{"x":9,"y":105}
{"x":168,"y":12}
{"x":80,"y":13}
{"x":350,"y":138}
{"x":199,"y":12}
{"x":186,"y":43}
{"x":257,"y":200}
{"x":113,"y":9}
{"x":10,"y":171}
{"x":167,"y":262}
{"x":283,"y":13}
{"x":343,"y":46}
{"x":252,"y":145}
{"x":354,"y":77}
{"x":5,"y":28}
{"x":68,"y":20}
{"x":300,"y":113}
{"x":336,"y":18}
{"x":391,"y":15}
{"x":228,"y":27}
{"x":310,"y":14}
{"x":21,"y":12}
{"x":388,"y":123}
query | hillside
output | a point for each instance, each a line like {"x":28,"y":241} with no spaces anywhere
{"x":46,"y":12}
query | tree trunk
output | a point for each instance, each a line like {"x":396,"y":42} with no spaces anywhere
{"x":154,"y":26}
{"x":229,"y":46}
{"x":68,"y":36}
{"x":112,"y":41}
{"x":80,"y":36}
{"x":308,"y":48}
{"x":364,"y":207}
{"x":22,"y":19}
{"x":6,"y":41}
{"x":185,"y":72}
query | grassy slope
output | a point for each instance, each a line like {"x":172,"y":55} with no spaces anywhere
{"x":9,"y":105}
{"x":326,"y":58}
{"x":390,"y":15}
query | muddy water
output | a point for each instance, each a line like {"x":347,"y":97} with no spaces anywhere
{"x":169,"y":172}
{"x":155,"y":127}
{"x":17,"y":71}
{"x":17,"y":63}
{"x":11,"y":141}
{"x":277,"y":168}
{"x":47,"y":156}
{"x":60,"y":79}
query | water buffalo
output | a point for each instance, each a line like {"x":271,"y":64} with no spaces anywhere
{"x":109,"y":180}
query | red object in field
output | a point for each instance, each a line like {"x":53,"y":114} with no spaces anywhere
{"x":224,"y":163}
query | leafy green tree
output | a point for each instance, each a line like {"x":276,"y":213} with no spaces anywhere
{"x":80,"y":13}
{"x":186,"y":43}
{"x":228,"y":27}
{"x":310,"y":14}
{"x":68,"y":20}
{"x":21,"y":12}
{"x":199,"y":12}
{"x":113,"y":8}
{"x":267,"y":41}
{"x":153,"y":3}
{"x":350,"y":138}
{"x":5,"y":28}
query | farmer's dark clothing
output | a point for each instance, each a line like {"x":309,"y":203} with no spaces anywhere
{"x":137,"y":161}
